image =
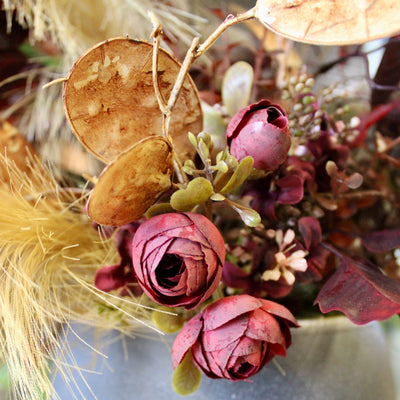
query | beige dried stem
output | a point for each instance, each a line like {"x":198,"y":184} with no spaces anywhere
{"x":49,"y":255}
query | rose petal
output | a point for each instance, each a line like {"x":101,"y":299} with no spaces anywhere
{"x":221,"y":337}
{"x":218,"y":360}
{"x":110,"y":278}
{"x":185,"y":339}
{"x":264,"y":326}
{"x":227,"y":308}
{"x":201,"y":360}
{"x":279,"y":311}
{"x":209,"y":231}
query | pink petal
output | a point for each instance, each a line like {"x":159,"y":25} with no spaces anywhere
{"x":247,"y":346}
{"x":218,"y":360}
{"x":227,"y":308}
{"x":110,"y":278}
{"x":279,"y":311}
{"x":211,"y":235}
{"x":196,"y":275}
{"x":264,"y":326}
{"x":185,"y":339}
{"x":224,"y":335}
{"x":201,"y":359}
{"x":186,"y":248}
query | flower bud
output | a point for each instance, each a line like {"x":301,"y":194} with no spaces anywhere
{"x":260,"y":130}
{"x":235,"y":336}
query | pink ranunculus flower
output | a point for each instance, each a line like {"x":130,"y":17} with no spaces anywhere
{"x":235,"y":336}
{"x":260,"y":130}
{"x":178,"y":258}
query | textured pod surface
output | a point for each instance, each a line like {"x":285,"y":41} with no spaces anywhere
{"x":110,"y":102}
{"x":15,"y":147}
{"x":331,"y":22}
{"x":132,"y":183}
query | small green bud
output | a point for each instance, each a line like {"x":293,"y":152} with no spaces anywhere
{"x":309,"y":82}
{"x":205,"y":137}
{"x":303,"y":78}
{"x":299,"y":87}
{"x":306,"y":100}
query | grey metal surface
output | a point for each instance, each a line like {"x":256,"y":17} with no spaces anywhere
{"x":340,"y":362}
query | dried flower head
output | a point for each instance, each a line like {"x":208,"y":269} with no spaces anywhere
{"x":287,"y":260}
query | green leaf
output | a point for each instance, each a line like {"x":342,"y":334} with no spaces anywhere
{"x":217,"y":197}
{"x":192,"y":139}
{"x":241,"y":173}
{"x":166,"y":321}
{"x":249,"y":216}
{"x":187,"y":377}
{"x":197,"y":192}
{"x":213,"y":122}
{"x":236,"y":86}
{"x":160,"y":208}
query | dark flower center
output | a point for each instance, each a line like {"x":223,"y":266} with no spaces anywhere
{"x":242,"y":370}
{"x":169,"y":271}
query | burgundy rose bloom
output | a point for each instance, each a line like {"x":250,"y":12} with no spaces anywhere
{"x":235,"y":337}
{"x":260,"y":130}
{"x":178,"y":258}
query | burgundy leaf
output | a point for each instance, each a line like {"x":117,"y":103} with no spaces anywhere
{"x":381,"y":241}
{"x":310,"y":229}
{"x":291,"y":189}
{"x":361,"y":291}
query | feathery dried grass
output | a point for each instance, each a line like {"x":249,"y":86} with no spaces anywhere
{"x":75,"y":25}
{"x":49,"y":254}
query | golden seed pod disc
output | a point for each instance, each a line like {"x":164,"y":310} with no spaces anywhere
{"x":110,"y":101}
{"x":331,"y":22}
{"x":15,"y":148}
{"x":129,"y":185}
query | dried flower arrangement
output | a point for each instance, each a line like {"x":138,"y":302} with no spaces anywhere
{"x":224,"y":223}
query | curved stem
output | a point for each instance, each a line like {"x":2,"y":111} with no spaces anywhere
{"x":229,"y":21}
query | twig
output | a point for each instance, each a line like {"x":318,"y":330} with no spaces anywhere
{"x":229,"y":21}
{"x":156,"y":35}
{"x":187,"y":62}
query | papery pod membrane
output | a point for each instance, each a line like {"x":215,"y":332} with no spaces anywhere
{"x":110,"y":102}
{"x":330,"y":22}
{"x":132,"y":183}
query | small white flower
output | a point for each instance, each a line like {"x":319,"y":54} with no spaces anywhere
{"x":286,"y":264}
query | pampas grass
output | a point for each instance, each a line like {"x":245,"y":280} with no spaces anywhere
{"x":75,"y":25}
{"x":49,"y":255}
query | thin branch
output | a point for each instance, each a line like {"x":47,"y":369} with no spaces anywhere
{"x":156,"y":35}
{"x":187,"y":62}
{"x":229,"y":21}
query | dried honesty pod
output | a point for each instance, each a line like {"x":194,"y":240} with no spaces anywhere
{"x":330,"y":22}
{"x":15,"y":147}
{"x":129,"y":185}
{"x":110,"y":102}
